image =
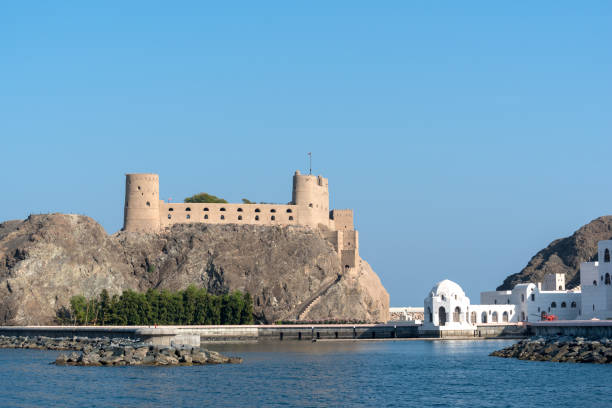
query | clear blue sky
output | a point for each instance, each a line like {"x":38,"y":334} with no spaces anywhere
{"x":466,"y":135}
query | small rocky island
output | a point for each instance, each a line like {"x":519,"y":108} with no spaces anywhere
{"x":117,"y":352}
{"x":560,"y":349}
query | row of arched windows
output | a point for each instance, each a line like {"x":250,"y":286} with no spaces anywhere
{"x":257,"y":210}
{"x":563,"y":304}
{"x":222,"y":217}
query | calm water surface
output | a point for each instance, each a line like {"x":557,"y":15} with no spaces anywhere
{"x":390,"y":373}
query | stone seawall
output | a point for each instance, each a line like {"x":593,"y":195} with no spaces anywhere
{"x":193,"y":335}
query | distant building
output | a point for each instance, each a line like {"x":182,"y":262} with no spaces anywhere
{"x":406,"y":314}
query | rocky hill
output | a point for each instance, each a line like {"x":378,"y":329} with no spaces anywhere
{"x":564,"y":255}
{"x":291,"y":272}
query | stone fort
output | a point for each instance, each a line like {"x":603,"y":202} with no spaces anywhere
{"x":309,"y":207}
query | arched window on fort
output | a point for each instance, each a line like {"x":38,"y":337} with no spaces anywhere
{"x":169,"y":216}
{"x":222,"y":209}
{"x":573,"y":305}
{"x":505,"y":317}
{"x":553,"y":304}
{"x":291,"y":218}
{"x":272,"y":210}
{"x":257,"y":218}
{"x":240,"y":218}
{"x":170,"y":209}
{"x":607,"y":281}
{"x":257,"y":210}
{"x":289,"y":210}
{"x":607,"y":255}
{"x":205,"y":216}
{"x":188,"y":216}
{"x":222,"y":217}
{"x":188,"y":209}
{"x":272,"y":218}
{"x":205,"y":208}
{"x":494,"y":317}
{"x":310,"y":205}
{"x":239,"y":210}
{"x":563,"y":304}
{"x":148,"y":204}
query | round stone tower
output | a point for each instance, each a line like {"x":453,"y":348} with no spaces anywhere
{"x":311,"y":195}
{"x":141,"y":212}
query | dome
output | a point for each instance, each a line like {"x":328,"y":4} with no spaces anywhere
{"x":447,"y":288}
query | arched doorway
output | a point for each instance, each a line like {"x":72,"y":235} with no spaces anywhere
{"x":505,"y":317}
{"x":494,"y":317}
{"x":457,"y":315}
{"x":442,"y":316}
{"x":483,"y":317}
{"x":473,"y":317}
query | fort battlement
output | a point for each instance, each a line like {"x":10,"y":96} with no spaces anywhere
{"x":145,"y":212}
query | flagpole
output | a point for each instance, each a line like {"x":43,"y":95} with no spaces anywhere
{"x":310,"y":163}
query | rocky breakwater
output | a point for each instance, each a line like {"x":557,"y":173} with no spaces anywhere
{"x":560,"y":349}
{"x":143,"y":354}
{"x":117,"y":352}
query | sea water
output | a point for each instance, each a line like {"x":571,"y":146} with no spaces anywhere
{"x":305,"y":374}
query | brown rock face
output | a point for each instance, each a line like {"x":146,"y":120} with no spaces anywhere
{"x":564,"y":255}
{"x":289,"y":271}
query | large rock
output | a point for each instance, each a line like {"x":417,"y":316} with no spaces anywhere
{"x":564,"y":255}
{"x":46,"y":259}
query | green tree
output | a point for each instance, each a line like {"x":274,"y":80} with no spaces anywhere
{"x":204,"y":198}
{"x":247,"y":201}
{"x":190,"y":306}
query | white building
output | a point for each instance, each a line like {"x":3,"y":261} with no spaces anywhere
{"x":532,"y":302}
{"x":446,"y":308}
{"x":595,"y":284}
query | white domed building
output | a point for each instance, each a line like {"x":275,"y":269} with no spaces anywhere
{"x":446,"y":308}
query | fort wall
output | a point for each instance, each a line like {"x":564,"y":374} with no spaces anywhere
{"x":216,"y":213}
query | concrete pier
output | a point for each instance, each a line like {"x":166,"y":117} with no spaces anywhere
{"x":582,"y":328}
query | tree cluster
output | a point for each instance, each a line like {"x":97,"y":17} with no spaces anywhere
{"x":204,"y":198}
{"x":192,"y":306}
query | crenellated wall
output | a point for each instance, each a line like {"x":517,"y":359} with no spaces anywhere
{"x":213,"y":213}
